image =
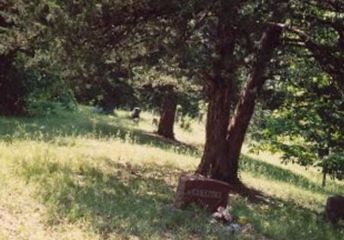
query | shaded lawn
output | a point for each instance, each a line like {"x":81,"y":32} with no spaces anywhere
{"x":134,"y":200}
{"x":85,"y":123}
{"x":126,"y":200}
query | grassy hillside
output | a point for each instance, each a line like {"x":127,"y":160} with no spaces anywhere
{"x":83,"y":175}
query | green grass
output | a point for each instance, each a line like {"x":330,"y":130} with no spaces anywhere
{"x":80,"y":175}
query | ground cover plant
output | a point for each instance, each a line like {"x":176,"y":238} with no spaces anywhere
{"x":84,"y":175}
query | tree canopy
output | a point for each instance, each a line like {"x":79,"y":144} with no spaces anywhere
{"x":231,"y":54}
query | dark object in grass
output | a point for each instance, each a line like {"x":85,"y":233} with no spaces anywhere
{"x":208,"y":193}
{"x":155,"y":121}
{"x":334,"y":210}
{"x":135,"y":114}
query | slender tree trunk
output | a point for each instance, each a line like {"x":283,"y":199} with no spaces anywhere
{"x":322,"y":154}
{"x":324,"y":178}
{"x":245,"y":108}
{"x":168,"y":112}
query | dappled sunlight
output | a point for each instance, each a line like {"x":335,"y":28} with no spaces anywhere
{"x":112,"y":196}
{"x":310,"y":173}
{"x":286,"y":191}
{"x":108,"y":177}
{"x":171,"y":119}
{"x":285,"y":219}
{"x":278,"y":173}
{"x":87,"y":124}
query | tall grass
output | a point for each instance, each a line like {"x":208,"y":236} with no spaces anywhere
{"x":83,"y":175}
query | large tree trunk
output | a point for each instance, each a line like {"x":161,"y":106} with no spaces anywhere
{"x":220,"y":91}
{"x":223,"y":142}
{"x":245,"y":108}
{"x":216,"y":126}
{"x":12,"y":90}
{"x":168,"y":112}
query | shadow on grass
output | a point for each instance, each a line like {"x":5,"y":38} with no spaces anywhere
{"x":117,"y":199}
{"x":270,"y":171}
{"x":277,"y":218}
{"x":132,"y":200}
{"x":86,"y":123}
{"x":284,"y":220}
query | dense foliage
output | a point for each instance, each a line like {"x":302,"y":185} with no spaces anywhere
{"x":32,"y":73}
{"x":161,"y":54}
{"x":307,"y":127}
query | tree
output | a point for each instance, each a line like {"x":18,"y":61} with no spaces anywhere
{"x":217,"y":38}
{"x":329,"y":57}
{"x":321,"y":31}
{"x":168,"y":112}
{"x":220,"y":45}
{"x":244,"y":110}
{"x":27,"y":68}
{"x":96,"y":71}
{"x":109,"y":39}
{"x":308,"y":126}
{"x":219,"y":81}
{"x":12,"y":89}
{"x":224,"y":138}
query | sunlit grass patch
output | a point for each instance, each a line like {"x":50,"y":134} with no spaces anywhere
{"x":122,"y":197}
{"x":310,"y":174}
{"x":286,"y":192}
{"x":83,"y":175}
{"x":279,"y":173}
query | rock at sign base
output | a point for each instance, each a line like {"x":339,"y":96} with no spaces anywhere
{"x":202,"y":191}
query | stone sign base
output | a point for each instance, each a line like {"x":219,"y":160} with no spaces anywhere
{"x":202,"y":191}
